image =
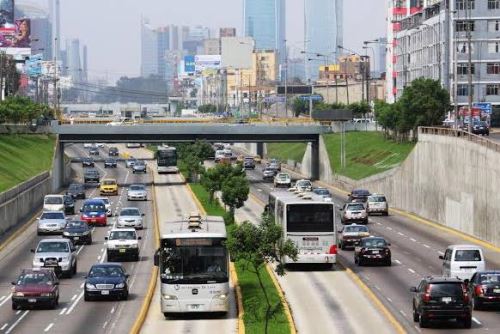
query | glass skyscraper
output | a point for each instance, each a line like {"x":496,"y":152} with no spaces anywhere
{"x":264,"y":20}
{"x":323,"y":33}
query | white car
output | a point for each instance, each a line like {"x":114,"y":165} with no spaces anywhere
{"x":51,"y":222}
{"x":99,"y":145}
{"x":282,"y":180}
{"x":53,"y":203}
{"x":59,"y":254}
{"x":107,"y":204}
{"x":88,"y":145}
{"x":303,"y":185}
{"x":122,"y":243}
{"x":137,"y":192}
{"x":133,"y":145}
{"x":130,"y":217}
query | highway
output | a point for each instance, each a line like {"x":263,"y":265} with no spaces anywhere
{"x":415,"y":250}
{"x":73,"y":315}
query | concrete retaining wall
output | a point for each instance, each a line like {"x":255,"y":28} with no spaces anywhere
{"x":448,"y":180}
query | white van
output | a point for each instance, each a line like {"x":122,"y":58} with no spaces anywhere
{"x":53,"y":203}
{"x":462,"y":261}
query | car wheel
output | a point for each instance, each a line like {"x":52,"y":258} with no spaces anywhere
{"x":75,"y":269}
{"x":342,"y":247}
{"x":415,"y":315}
{"x":14,"y":306}
{"x":125,"y":295}
{"x":136,"y":258}
{"x":476,"y":304}
{"x":386,"y":213}
{"x":360,"y":262}
{"x":467,"y":322}
{"x":111,"y":259}
{"x":86,"y":297}
{"x":89,"y":242}
{"x":388,"y":262}
{"x":423,"y":321}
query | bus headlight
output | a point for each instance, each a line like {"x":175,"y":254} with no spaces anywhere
{"x":222,"y":296}
{"x":169,"y":297}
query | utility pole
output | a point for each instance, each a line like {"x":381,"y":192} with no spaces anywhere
{"x":469,"y":67}
{"x":286,"y":81}
{"x":56,"y":111}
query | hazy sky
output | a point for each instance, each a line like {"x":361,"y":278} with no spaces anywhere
{"x":111,"y":28}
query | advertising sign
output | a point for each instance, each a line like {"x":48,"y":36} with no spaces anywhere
{"x":15,"y":37}
{"x":189,"y":64}
{"x":203,"y":62}
{"x":7,"y":15}
{"x":34,"y":65}
{"x":484,"y":106}
{"x":314,"y":97}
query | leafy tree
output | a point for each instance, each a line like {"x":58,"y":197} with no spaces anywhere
{"x":235,"y":192}
{"x":359,"y":108}
{"x":213,"y":178}
{"x":299,"y":106}
{"x":254,"y":255}
{"x":207,"y":109}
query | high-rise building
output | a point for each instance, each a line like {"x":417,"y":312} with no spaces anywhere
{"x":227,"y":32}
{"x":74,"y":65}
{"x":324,"y":33}
{"x":149,"y":50}
{"x":264,"y":21}
{"x":85,"y":69}
{"x":427,"y":39}
{"x":380,"y":51}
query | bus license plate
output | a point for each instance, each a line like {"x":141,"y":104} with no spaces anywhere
{"x":31,"y":300}
{"x":105,"y":292}
{"x":123,"y":250}
{"x":76,"y":238}
{"x":194,"y":306}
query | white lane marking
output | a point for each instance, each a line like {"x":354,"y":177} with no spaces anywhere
{"x":411,"y":270}
{"x":5,"y":300}
{"x":113,"y":310}
{"x":417,"y":328}
{"x":414,"y":240}
{"x":389,"y":228}
{"x":4,"y":326}
{"x":48,"y":327}
{"x":74,"y":297}
{"x":426,"y":246}
{"x":72,"y":307}
{"x":402,"y":312}
{"x":377,"y":287}
{"x":102,"y":257}
{"x":401,"y":234}
{"x":397,"y":261}
{"x":17,"y":322}
{"x":81,"y":285}
{"x":102,"y":250}
{"x":476,"y":321}
{"x":79,"y":249}
{"x":19,"y":311}
{"x":440,"y":253}
{"x":379,"y":223}
{"x":63,"y":311}
{"x":389,"y":299}
{"x":260,"y":190}
{"x":1,"y":298}
{"x":99,"y":258}
{"x":105,"y":324}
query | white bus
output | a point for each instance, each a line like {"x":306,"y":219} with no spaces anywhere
{"x":309,"y":221}
{"x":193,"y":263}
{"x":166,"y":159}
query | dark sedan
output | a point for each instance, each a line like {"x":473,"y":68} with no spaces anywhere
{"x":35,"y":288}
{"x":78,"y":232}
{"x":110,"y":163}
{"x":91,"y":176}
{"x":481,"y":128}
{"x":113,"y":151}
{"x":359,"y":195}
{"x":372,"y":250}
{"x":484,"y":289}
{"x":87,"y":162}
{"x":106,"y":280}
{"x":69,"y":205}
{"x":76,"y":190}
{"x":94,"y":151}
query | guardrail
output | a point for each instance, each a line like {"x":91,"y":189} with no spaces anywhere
{"x":462,"y":134}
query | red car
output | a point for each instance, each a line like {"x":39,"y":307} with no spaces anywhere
{"x":35,"y":287}
{"x":484,"y":287}
{"x":94,"y":212}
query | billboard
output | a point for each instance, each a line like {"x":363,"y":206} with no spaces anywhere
{"x":203,"y":62}
{"x":189,"y":64}
{"x":15,"y":36}
{"x":34,"y":65}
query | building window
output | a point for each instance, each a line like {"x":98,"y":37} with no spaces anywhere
{"x":462,"y":90}
{"x":493,"y":68}
{"x":462,"y":4}
{"x":462,"y":69}
{"x":493,"y":47}
{"x":464,"y":25}
{"x":463,"y":47}
{"x":493,"y":4}
{"x":493,"y":89}
{"x":493,"y":25}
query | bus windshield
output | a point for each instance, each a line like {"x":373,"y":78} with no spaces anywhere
{"x":166,"y":157}
{"x":194,"y":265}
{"x":309,"y":218}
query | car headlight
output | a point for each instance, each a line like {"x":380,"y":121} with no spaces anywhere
{"x":19,"y":294}
{"x":169,"y":297}
{"x":47,"y":294}
{"x":134,"y":246}
{"x":90,"y":286}
{"x":65,"y":259}
{"x":66,"y":233}
{"x":120,"y":285}
{"x":102,"y":215}
{"x":86,"y":233}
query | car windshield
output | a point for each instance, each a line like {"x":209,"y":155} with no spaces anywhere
{"x":140,"y":163}
{"x":376,"y":199}
{"x":137,"y":187}
{"x":39,"y":278}
{"x":94,"y":207}
{"x":53,"y":200}
{"x":122,"y":235}
{"x":489,"y":278}
{"x":130,"y":212}
{"x":462,"y":255}
{"x":52,"y":215}
{"x":322,"y":192}
{"x":106,"y":271}
{"x":304,"y":183}
{"x":91,"y":171}
{"x":76,"y":224}
{"x":109,"y":182}
{"x":355,"y":207}
{"x":373,"y":242}
{"x":353,"y":229}
{"x":53,"y":247}
{"x":283,"y":176}
{"x":446,"y":289}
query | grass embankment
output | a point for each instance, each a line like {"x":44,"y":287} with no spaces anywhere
{"x":24,"y":156}
{"x":252,"y":296}
{"x":367,"y":153}
{"x":286,"y":151}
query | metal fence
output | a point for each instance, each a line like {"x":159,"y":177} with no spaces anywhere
{"x":480,"y":140}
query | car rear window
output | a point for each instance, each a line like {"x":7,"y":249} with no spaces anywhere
{"x":373,"y":242}
{"x":53,"y":200}
{"x":376,"y":199}
{"x":355,"y":206}
{"x":130,"y":212}
{"x":446,"y":289}
{"x":136,"y":188}
{"x":109,"y":182}
{"x":462,"y":255}
{"x":356,"y":229}
{"x":490,"y":278}
{"x":52,"y":215}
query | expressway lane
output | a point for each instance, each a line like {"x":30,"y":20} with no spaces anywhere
{"x":176,"y":202}
{"x":415,"y":250}
{"x":73,"y":314}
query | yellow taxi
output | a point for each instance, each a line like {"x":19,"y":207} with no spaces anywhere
{"x":109,"y":187}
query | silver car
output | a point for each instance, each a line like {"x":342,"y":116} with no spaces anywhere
{"x":137,"y":192}
{"x":303,"y":185}
{"x":59,"y":254}
{"x":354,"y":212}
{"x":377,"y":203}
{"x":130,"y":217}
{"x":130,"y":162}
{"x":51,"y":222}
{"x":139,"y":167}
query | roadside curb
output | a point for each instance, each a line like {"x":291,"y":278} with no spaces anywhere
{"x":239,"y":296}
{"x":139,"y":322}
{"x":281,"y":293}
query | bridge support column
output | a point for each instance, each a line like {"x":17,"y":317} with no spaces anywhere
{"x":315,"y":160}
{"x":260,"y":149}
{"x":58,"y":179}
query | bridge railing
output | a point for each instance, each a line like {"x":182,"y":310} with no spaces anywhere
{"x":480,"y":140}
